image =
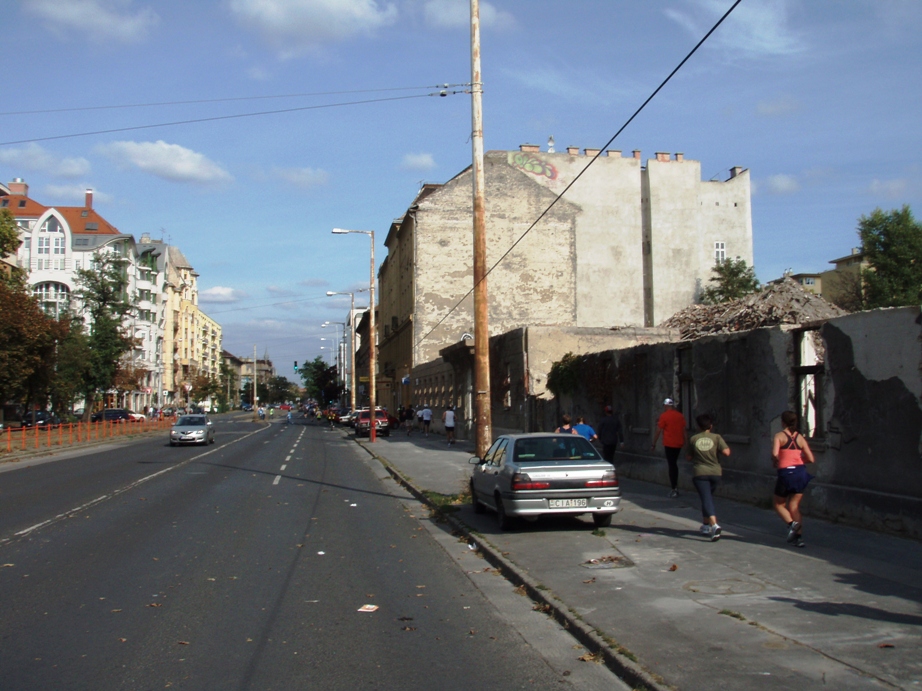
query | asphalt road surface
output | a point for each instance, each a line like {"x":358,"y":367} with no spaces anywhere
{"x":247,"y":565}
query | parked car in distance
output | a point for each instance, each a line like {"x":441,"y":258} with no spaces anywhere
{"x":246,"y":407}
{"x":137,"y":417}
{"x":41,"y":418}
{"x":531,"y":475}
{"x":363,"y":423}
{"x":113,"y":415}
{"x":346,"y":416}
{"x":192,"y":429}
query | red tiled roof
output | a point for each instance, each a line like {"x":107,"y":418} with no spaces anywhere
{"x":32,"y":209}
{"x":74,"y":215}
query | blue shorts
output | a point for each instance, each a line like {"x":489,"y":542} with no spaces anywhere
{"x":793,"y":480}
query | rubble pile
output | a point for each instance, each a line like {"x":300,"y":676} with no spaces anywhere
{"x":785,"y":302}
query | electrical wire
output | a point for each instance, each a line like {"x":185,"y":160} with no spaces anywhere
{"x":580,"y":174}
{"x":229,"y":117}
{"x":227,"y":100}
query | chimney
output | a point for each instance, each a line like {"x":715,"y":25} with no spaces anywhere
{"x":89,"y":199}
{"x":636,"y":153}
{"x":530,"y":148}
{"x":573,"y":150}
{"x":662,"y":157}
{"x":593,"y":152}
{"x":680,"y":157}
{"x":735,"y":170}
{"x":613,"y":153}
{"x":18,"y":186}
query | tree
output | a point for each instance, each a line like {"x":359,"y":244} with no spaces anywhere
{"x":27,"y":337}
{"x":892,"y":245}
{"x":320,"y":380}
{"x":732,"y":279}
{"x":9,"y":243}
{"x":103,"y":291}
{"x":71,"y":365}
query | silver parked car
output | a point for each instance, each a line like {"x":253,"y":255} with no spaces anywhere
{"x":192,"y":429}
{"x":535,"y":474}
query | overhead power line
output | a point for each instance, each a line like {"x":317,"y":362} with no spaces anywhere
{"x":230,"y":117}
{"x":580,"y":174}
{"x":228,"y":100}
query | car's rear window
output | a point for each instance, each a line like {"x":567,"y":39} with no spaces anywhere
{"x":565,"y":447}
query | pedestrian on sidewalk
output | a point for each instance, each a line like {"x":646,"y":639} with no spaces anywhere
{"x":427,"y":418}
{"x":448,"y":419}
{"x":671,"y":425}
{"x":419,"y":418}
{"x":565,"y":427}
{"x":610,"y":434}
{"x":789,"y":452}
{"x":585,"y":430}
{"x":408,"y":417}
{"x":704,"y":451}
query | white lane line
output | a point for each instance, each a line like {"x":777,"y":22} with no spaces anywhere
{"x":276,"y":480}
{"x":121,"y":490}
{"x":284,"y":465}
{"x":287,"y":458}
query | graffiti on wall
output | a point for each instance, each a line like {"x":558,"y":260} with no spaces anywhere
{"x":532,"y":164}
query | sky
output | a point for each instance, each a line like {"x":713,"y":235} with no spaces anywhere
{"x":298,"y":116}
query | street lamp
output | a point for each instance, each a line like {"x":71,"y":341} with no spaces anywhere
{"x":351,"y":360}
{"x":372,"y":336}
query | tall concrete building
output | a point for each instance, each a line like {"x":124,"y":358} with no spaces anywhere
{"x":627,"y":245}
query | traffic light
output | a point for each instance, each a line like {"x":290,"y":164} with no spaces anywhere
{"x":296,"y":365}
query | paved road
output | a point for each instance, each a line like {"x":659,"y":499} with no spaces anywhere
{"x":244,"y":566}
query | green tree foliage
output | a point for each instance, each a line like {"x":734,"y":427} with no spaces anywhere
{"x":732,"y":278}
{"x":892,"y":245}
{"x":71,"y":369}
{"x":320,"y":380}
{"x":103,"y":291}
{"x":564,"y":375}
{"x":27,"y":338}
{"x":281,"y":390}
{"x":9,"y":243}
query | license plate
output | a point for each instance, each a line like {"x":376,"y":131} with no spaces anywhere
{"x":566,"y":503}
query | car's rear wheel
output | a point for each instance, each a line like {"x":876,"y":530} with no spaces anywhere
{"x":601,"y":520}
{"x":478,"y":507}
{"x":502,"y":518}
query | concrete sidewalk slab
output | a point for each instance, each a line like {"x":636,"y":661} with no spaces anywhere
{"x":747,"y":612}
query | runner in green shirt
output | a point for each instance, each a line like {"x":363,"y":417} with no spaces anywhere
{"x":704,"y":451}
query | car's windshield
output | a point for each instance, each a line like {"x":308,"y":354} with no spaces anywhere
{"x":565,"y":447}
{"x":191,"y":420}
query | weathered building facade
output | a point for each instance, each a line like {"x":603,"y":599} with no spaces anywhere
{"x":627,"y":245}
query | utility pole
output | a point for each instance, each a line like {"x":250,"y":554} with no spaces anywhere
{"x":255,"y":400}
{"x":482,"y":412}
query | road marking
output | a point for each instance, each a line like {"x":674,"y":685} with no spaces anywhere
{"x":287,"y":458}
{"x":276,"y":480}
{"x":284,"y":465}
{"x":121,"y":490}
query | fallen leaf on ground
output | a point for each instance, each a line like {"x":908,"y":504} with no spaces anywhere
{"x":590,"y":657}
{"x":674,"y":567}
{"x":182,"y":642}
{"x":154,"y":604}
{"x":116,"y":610}
{"x":591,"y":580}
{"x":409,"y":628}
{"x":885,"y":645}
{"x":368,"y":608}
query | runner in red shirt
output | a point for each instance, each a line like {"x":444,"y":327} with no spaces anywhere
{"x":671,"y":425}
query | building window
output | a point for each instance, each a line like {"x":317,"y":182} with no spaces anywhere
{"x":59,"y":245}
{"x":53,"y":297}
{"x":720,"y":252}
{"x":809,"y":281}
{"x":44,"y":245}
{"x":51,"y":225}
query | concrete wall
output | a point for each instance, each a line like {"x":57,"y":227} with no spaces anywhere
{"x":869,"y":392}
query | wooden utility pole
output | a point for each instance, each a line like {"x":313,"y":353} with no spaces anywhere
{"x":482,"y":412}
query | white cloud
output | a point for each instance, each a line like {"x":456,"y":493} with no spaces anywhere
{"x":783,"y":105}
{"x":34,"y":158}
{"x":296,"y":26}
{"x":755,"y":28}
{"x":417,"y":162}
{"x":314,"y":282}
{"x":891,"y":189}
{"x":302,"y":178}
{"x":280,"y":292}
{"x":107,"y":19}
{"x":221,"y":294}
{"x":783,"y":184}
{"x":167,"y":161}
{"x":454,"y":14}
{"x":76,"y":193}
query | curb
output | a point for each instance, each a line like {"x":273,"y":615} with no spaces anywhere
{"x":615,"y":658}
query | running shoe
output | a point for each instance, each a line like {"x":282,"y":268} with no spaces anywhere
{"x":714,"y":533}
{"x":673,"y":494}
{"x":799,"y":542}
{"x":705,"y":529}
{"x":793,"y":531}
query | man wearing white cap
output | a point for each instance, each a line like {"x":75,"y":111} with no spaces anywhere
{"x":671,"y":425}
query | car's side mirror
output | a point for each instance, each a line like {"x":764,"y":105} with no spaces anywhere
{"x":474,"y":460}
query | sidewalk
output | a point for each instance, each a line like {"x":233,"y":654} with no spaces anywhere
{"x":747,"y":612}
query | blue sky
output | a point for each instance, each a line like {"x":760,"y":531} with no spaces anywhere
{"x":820,"y":99}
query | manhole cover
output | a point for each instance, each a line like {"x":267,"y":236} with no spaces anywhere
{"x":608,"y":562}
{"x":729,"y":586}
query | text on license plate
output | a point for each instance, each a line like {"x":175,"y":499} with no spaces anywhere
{"x":566,"y":503}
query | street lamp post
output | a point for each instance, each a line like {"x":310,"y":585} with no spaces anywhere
{"x":372,"y":336}
{"x":339,"y":373}
{"x":351,"y":359}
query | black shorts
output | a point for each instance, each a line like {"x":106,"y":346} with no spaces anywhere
{"x":793,"y":480}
